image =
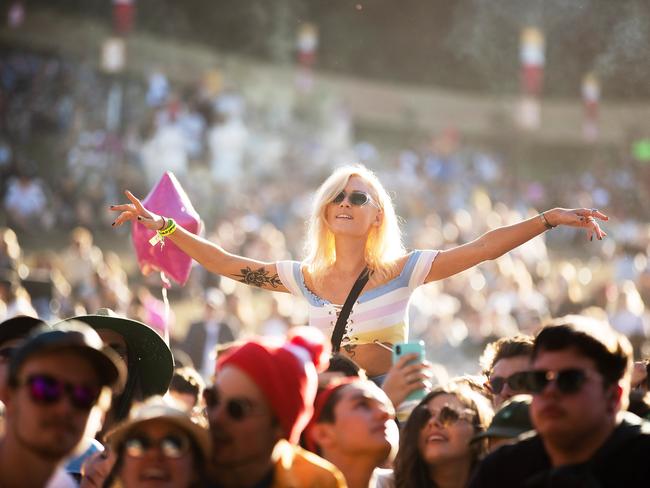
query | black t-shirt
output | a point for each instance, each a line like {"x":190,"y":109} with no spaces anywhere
{"x":265,"y":482}
{"x":622,"y":462}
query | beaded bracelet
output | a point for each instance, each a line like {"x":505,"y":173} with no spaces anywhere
{"x":546,"y":223}
{"x":168,"y":229}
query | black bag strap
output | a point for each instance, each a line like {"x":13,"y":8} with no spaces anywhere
{"x":342,"y":320}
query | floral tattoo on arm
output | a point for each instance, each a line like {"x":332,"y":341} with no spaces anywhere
{"x":258,"y":277}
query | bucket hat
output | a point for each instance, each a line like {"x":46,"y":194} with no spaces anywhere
{"x":159,"y":408}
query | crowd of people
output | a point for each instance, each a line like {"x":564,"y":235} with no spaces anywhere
{"x":95,"y":401}
{"x":103,"y":384}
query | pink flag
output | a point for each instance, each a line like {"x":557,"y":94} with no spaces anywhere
{"x":169,"y":199}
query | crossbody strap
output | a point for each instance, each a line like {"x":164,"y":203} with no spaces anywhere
{"x":342,"y":320}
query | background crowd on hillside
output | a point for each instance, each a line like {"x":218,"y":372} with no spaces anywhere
{"x":61,"y":167}
{"x":72,"y":137}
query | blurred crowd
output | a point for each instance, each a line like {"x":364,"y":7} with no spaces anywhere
{"x":71,"y":138}
{"x":231,"y":149}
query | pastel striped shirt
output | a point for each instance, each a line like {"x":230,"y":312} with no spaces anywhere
{"x":379,"y":314}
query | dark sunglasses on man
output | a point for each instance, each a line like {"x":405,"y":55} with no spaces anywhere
{"x":238,"y":409}
{"x":356,"y":198}
{"x":567,"y":381}
{"x":46,"y":390}
{"x":516,"y":382}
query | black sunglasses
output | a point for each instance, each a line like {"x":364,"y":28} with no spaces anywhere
{"x":46,"y":390}
{"x":236,"y":408}
{"x":171,"y":446}
{"x":516,"y":382}
{"x":447,"y":415}
{"x":568,"y":380}
{"x":356,"y":198}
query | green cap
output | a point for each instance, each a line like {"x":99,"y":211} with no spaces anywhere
{"x":511,"y":420}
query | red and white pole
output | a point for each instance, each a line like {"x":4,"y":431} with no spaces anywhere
{"x":307,"y":46}
{"x":590,"y":101}
{"x":123,"y":17}
{"x":532,"y":58}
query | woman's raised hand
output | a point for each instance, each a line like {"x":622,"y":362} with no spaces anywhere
{"x":578,"y":217}
{"x":135,"y":211}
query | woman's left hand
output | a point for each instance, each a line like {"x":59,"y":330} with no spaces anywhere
{"x":406,"y":376}
{"x":578,"y":217}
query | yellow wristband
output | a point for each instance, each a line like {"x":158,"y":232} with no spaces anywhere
{"x":159,"y":236}
{"x":169,"y":229}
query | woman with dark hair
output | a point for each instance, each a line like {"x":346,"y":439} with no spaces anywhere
{"x":435,"y":443}
{"x":354,"y":233}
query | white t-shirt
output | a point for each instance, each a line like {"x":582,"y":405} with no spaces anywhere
{"x":382,"y":478}
{"x":61,"y":479}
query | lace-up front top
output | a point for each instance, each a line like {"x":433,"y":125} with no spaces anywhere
{"x":379,"y":314}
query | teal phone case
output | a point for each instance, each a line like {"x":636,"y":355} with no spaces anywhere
{"x":402,"y":348}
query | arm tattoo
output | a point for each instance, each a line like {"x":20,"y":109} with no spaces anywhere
{"x":259,"y":277}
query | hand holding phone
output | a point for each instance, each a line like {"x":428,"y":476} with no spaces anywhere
{"x":407,"y":379}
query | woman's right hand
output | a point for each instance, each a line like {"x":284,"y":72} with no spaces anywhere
{"x":135,"y":211}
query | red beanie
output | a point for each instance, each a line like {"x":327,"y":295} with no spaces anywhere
{"x":286,"y":373}
{"x":322,"y":397}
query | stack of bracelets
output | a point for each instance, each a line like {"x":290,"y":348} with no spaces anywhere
{"x":169,"y":227}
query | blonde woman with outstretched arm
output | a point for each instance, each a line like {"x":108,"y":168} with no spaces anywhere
{"x":353,"y":226}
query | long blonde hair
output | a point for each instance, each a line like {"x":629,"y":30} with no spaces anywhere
{"x":384,"y":245}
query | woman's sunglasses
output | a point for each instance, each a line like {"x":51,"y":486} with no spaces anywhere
{"x":45,"y":389}
{"x":568,"y":380}
{"x":516,"y":382}
{"x":356,"y":198}
{"x":171,"y":446}
{"x":447,"y":415}
{"x":236,"y":408}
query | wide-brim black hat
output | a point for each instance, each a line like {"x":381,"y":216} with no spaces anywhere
{"x":148,"y":351}
{"x":17,"y":327}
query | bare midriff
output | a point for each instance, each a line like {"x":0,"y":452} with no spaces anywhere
{"x":373,"y":358}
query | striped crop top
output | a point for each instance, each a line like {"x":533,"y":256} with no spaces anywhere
{"x":379,"y":314}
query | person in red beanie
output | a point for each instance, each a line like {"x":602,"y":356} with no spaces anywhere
{"x":261,"y":400}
